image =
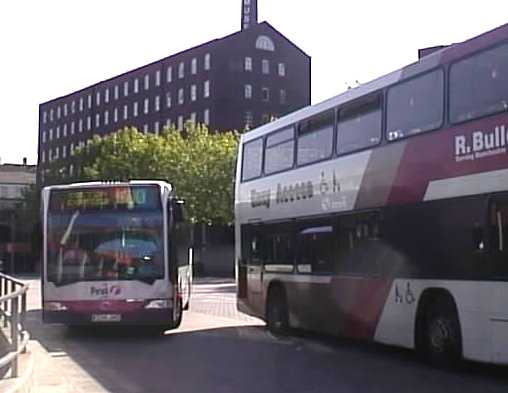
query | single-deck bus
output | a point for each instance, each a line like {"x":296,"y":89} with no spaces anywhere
{"x":382,"y":213}
{"x":115,"y":253}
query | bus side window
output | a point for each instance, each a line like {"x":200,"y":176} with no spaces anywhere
{"x":315,"y":250}
{"x":279,"y":253}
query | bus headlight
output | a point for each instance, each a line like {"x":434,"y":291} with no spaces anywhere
{"x":54,"y":306}
{"x":159,"y":303}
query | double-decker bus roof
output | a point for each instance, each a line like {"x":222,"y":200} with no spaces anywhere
{"x":426,"y":63}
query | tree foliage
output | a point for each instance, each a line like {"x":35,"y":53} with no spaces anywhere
{"x":198,"y":163}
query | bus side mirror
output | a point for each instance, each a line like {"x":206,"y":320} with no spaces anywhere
{"x":178,"y":210}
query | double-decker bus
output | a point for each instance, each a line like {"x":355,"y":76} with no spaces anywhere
{"x":382,"y":213}
{"x":115,"y":253}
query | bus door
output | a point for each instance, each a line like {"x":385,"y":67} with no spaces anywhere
{"x":253,"y":245}
{"x":498,"y":227}
{"x":314,"y":263}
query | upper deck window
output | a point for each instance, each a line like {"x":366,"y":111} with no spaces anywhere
{"x":265,"y":43}
{"x":359,"y":124}
{"x":416,"y":105}
{"x":478,"y":85}
{"x":315,"y":139}
{"x":279,"y":153}
{"x":252,"y":159}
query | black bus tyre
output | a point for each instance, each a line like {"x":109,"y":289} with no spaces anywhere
{"x":277,"y":316}
{"x":442,"y":341}
{"x":179,"y":310}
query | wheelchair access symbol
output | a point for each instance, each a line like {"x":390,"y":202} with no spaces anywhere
{"x":404,"y":296}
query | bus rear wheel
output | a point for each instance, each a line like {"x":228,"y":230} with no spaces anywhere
{"x":442,"y":341}
{"x":277,"y":317}
{"x":179,"y":314}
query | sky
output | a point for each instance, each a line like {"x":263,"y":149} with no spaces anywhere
{"x":51,"y":48}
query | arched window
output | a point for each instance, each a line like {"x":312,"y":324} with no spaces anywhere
{"x":265,"y":43}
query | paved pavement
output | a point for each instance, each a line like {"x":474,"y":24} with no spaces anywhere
{"x":218,"y":349}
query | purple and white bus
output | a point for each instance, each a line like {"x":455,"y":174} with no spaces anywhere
{"x":115,"y":253}
{"x":382,"y":213}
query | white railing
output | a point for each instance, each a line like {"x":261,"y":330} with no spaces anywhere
{"x":12,"y":315}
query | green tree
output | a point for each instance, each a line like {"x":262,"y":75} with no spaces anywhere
{"x":197,"y":162}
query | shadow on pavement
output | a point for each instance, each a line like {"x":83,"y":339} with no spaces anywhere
{"x":247,"y":359}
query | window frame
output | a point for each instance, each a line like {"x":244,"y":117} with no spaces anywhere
{"x":444,"y":108}
{"x":382,"y":93}
{"x":295,"y":149}
{"x":261,"y":173}
{"x":448,"y":84}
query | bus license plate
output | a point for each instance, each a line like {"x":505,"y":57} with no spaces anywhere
{"x":106,"y":317}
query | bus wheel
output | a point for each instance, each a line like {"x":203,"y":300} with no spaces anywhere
{"x":277,"y":318}
{"x":442,"y":341}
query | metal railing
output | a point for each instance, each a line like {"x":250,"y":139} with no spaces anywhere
{"x":12,"y":316}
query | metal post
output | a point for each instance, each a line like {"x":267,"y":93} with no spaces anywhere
{"x":14,"y":335}
{"x":23,"y":314}
{"x":13,"y":240}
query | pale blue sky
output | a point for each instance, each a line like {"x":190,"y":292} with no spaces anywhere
{"x":53,"y":47}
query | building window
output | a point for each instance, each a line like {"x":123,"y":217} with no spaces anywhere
{"x":57,"y":152}
{"x":64,"y":151}
{"x":135,"y":109}
{"x":193,"y":92}
{"x":43,"y":136}
{"x":265,"y":43}
{"x":58,"y":132}
{"x":44,"y":117}
{"x":126,"y":88}
{"x":73,"y":106}
{"x":116,"y":92}
{"x":88,"y":123}
{"x":282,"y":96}
{"x":65,"y":110}
{"x":58,"y":112}
{"x":106,"y":95}
{"x":265,"y":94}
{"x":169,"y":74}
{"x":51,"y":115}
{"x":80,"y":125}
{"x":207,"y":61}
{"x":136,"y":86}
{"x":146,"y":106}
{"x":265,"y":66}
{"x":168,"y":99}
{"x":193,"y":117}
{"x":194,"y":66}
{"x":181,"y":70}
{"x":248,"y":64}
{"x":97,"y":120}
{"x":71,"y":150}
{"x":89,"y":98}
{"x":157,"y":103}
{"x":145,"y":128}
{"x":147,"y":81}
{"x":50,"y":134}
{"x":73,"y":127}
{"x":180,"y":97}
{"x":248,"y":120}
{"x":65,"y":130}
{"x":156,"y":126}
{"x":125,"y":112}
{"x":71,"y":170}
{"x":206,"y":89}
{"x":81,"y":104}
{"x":248,"y":92}
{"x":106,"y":118}
{"x":97,"y":99}
{"x":206,"y":116}
{"x":157,"y":78}
{"x":180,"y":123}
{"x":43,"y":158}
{"x":115,"y":115}
{"x":168,"y":122}
{"x":282,"y":69}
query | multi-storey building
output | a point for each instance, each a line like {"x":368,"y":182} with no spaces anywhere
{"x":236,"y":82}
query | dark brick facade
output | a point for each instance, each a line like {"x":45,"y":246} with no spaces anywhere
{"x":213,"y":88}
